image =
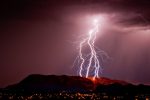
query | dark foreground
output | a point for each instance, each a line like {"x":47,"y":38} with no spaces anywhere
{"x":69,"y":96}
{"x":52,"y":87}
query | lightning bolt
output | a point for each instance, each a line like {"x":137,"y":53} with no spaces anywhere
{"x":90,"y":63}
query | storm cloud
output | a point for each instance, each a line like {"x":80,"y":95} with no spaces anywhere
{"x":37,"y":36}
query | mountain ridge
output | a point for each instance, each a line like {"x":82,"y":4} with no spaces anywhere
{"x":62,"y":82}
{"x":59,"y":83}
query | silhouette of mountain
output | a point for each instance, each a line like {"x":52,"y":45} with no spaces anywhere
{"x":53,"y":83}
{"x":59,"y":83}
{"x":53,"y":87}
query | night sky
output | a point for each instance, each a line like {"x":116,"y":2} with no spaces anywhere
{"x":42,"y":37}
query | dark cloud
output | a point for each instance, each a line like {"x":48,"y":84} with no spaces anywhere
{"x":37,"y":9}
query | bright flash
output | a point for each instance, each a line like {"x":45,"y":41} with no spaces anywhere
{"x":89,"y":63}
{"x":95,"y":21}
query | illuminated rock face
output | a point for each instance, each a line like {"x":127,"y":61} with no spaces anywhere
{"x":62,"y":83}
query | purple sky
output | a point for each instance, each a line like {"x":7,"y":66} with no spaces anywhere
{"x":42,"y":36}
